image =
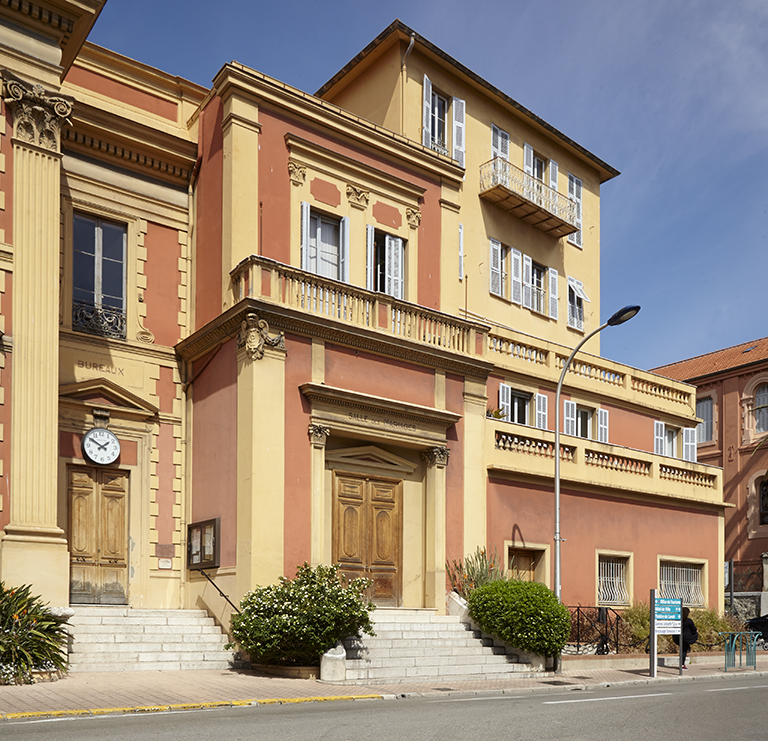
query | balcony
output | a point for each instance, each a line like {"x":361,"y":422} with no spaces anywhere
{"x":522,"y":195}
{"x":523,"y":450}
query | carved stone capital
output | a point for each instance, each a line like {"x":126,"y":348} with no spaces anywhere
{"x":38,"y":115}
{"x":413,"y":216}
{"x":437,"y":456}
{"x":254,"y":336}
{"x":297,"y":172}
{"x":318,"y":434}
{"x":358,"y":197}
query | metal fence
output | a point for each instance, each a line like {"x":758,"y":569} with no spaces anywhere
{"x":747,"y":576}
{"x":594,"y":630}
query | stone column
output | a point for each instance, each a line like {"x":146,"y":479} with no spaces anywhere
{"x":321,"y":514}
{"x":260,"y":455}
{"x":34,"y":549}
{"x":436,"y":460}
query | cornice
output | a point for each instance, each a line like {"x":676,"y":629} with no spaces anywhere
{"x":281,"y":318}
{"x":365,"y":403}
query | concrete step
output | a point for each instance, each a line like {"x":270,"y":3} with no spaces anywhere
{"x":121,"y":638}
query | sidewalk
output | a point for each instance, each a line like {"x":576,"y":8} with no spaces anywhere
{"x":152,"y":691}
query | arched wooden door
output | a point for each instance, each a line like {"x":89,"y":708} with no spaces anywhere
{"x":368,"y":533}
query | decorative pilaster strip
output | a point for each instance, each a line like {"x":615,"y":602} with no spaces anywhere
{"x":254,"y":336}
{"x":142,"y":333}
{"x":297,"y":173}
{"x":318,"y":435}
{"x":437,"y":456}
{"x":358,"y":197}
{"x":413,"y":216}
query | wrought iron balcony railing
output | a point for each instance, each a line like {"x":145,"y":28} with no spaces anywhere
{"x":104,"y":321}
{"x":524,"y":196}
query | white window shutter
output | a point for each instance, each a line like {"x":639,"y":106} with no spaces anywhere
{"x":553,"y":295}
{"x":370,"y":267}
{"x":569,"y":418}
{"x":344,"y":250}
{"x":602,"y":425}
{"x":689,"y":444}
{"x":459,"y":110}
{"x":553,"y":175}
{"x":528,"y":159}
{"x":517,"y":276}
{"x":541,"y":411}
{"x":305,"y":216}
{"x":574,"y":193}
{"x":504,"y":144}
{"x":496,"y":284}
{"x":461,"y":251}
{"x":395,"y":265}
{"x":426,"y":122}
{"x":527,"y":274}
{"x":505,"y":401}
{"x":495,"y":149}
{"x":658,"y":438}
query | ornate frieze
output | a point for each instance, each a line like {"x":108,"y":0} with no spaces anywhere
{"x":297,"y":172}
{"x":318,"y":434}
{"x":437,"y":456}
{"x":358,"y":197}
{"x":413,"y":216}
{"x":254,"y":335}
{"x":38,"y":115}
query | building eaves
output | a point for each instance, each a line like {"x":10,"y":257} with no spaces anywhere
{"x":736,"y":357}
{"x":607,"y":172}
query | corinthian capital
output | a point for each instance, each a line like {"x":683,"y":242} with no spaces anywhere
{"x":437,"y":456}
{"x":38,"y":114}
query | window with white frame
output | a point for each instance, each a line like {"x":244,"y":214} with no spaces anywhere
{"x":538,"y":289}
{"x":612,"y":574}
{"x":705,"y":428}
{"x":665,"y":441}
{"x":499,"y":260}
{"x":577,"y":421}
{"x":98,"y":276}
{"x":681,"y":581}
{"x":574,"y":193}
{"x":576,"y":298}
{"x":324,"y":244}
{"x":761,"y":409}
{"x":513,"y":404}
{"x":533,"y":286}
{"x":435,"y":122}
{"x":385,"y":263}
{"x":540,"y":171}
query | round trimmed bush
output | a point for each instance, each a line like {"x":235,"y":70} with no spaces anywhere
{"x":295,"y":621}
{"x":523,"y":614}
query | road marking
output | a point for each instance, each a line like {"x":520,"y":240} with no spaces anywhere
{"x":477,"y":699}
{"x":601,"y":699}
{"x":731,"y":689}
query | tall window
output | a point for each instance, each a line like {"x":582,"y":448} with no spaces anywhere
{"x":681,"y":581}
{"x":98,"y":276}
{"x":538,"y":290}
{"x":324,"y":244}
{"x":704,"y":410}
{"x":761,"y":409}
{"x":435,"y":122}
{"x":574,"y":193}
{"x":386,"y":263}
{"x":438,"y":119}
{"x":612,"y":580}
{"x":763,"y":494}
{"x":576,"y":298}
{"x":513,"y":404}
{"x":499,"y":260}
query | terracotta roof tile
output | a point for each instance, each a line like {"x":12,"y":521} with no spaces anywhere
{"x":716,"y":362}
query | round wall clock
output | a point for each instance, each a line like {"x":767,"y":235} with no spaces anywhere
{"x":100,"y":445}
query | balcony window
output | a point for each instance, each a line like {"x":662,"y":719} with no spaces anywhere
{"x":612,"y":580}
{"x":665,"y":441}
{"x":385,"y":263}
{"x":538,"y":290}
{"x":705,"y":411}
{"x":324,"y":244}
{"x":513,"y":404}
{"x":681,"y":581}
{"x":574,"y":194}
{"x":98,"y":276}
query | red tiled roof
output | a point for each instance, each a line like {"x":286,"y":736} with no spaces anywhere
{"x":716,"y":362}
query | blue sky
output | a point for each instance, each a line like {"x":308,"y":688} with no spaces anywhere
{"x":672,"y":94}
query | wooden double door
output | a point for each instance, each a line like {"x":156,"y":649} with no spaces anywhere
{"x":98,"y":535}
{"x":368,"y":533}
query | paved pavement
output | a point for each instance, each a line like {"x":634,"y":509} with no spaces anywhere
{"x":99,"y":693}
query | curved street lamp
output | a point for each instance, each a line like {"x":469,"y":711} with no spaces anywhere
{"x":621,"y":316}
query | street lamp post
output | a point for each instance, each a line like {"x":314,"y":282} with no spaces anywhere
{"x":621,"y":316}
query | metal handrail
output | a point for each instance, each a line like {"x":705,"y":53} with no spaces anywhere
{"x":603,"y":621}
{"x":216,"y":587}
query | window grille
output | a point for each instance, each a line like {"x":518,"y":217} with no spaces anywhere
{"x":681,"y":581}
{"x":612,"y":581}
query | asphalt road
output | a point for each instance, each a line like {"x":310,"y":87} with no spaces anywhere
{"x":668,"y":711}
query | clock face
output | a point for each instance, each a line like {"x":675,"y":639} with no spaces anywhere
{"x":101,"y":445}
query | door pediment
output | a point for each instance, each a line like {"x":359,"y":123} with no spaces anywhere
{"x":101,"y":393}
{"x":371,"y":459}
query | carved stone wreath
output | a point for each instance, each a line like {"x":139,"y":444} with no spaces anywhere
{"x":254,"y":335}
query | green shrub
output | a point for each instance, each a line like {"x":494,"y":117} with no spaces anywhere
{"x":525,"y":615}
{"x":709,"y":623}
{"x":31,"y":637}
{"x":296,"y":620}
{"x":474,"y":571}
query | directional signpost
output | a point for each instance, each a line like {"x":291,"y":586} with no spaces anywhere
{"x":666,"y":620}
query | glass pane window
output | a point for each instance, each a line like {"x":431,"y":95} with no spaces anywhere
{"x":761,"y":409}
{"x":764,"y":502}
{"x":98,"y":276}
{"x":681,"y":581}
{"x":438,"y":123}
{"x":538,"y":291}
{"x":704,"y":410}
{"x":324,"y":243}
{"x":518,"y":411}
{"x":612,"y":580}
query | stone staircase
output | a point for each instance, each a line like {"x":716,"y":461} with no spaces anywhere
{"x":120,"y":638}
{"x":414,"y":645}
